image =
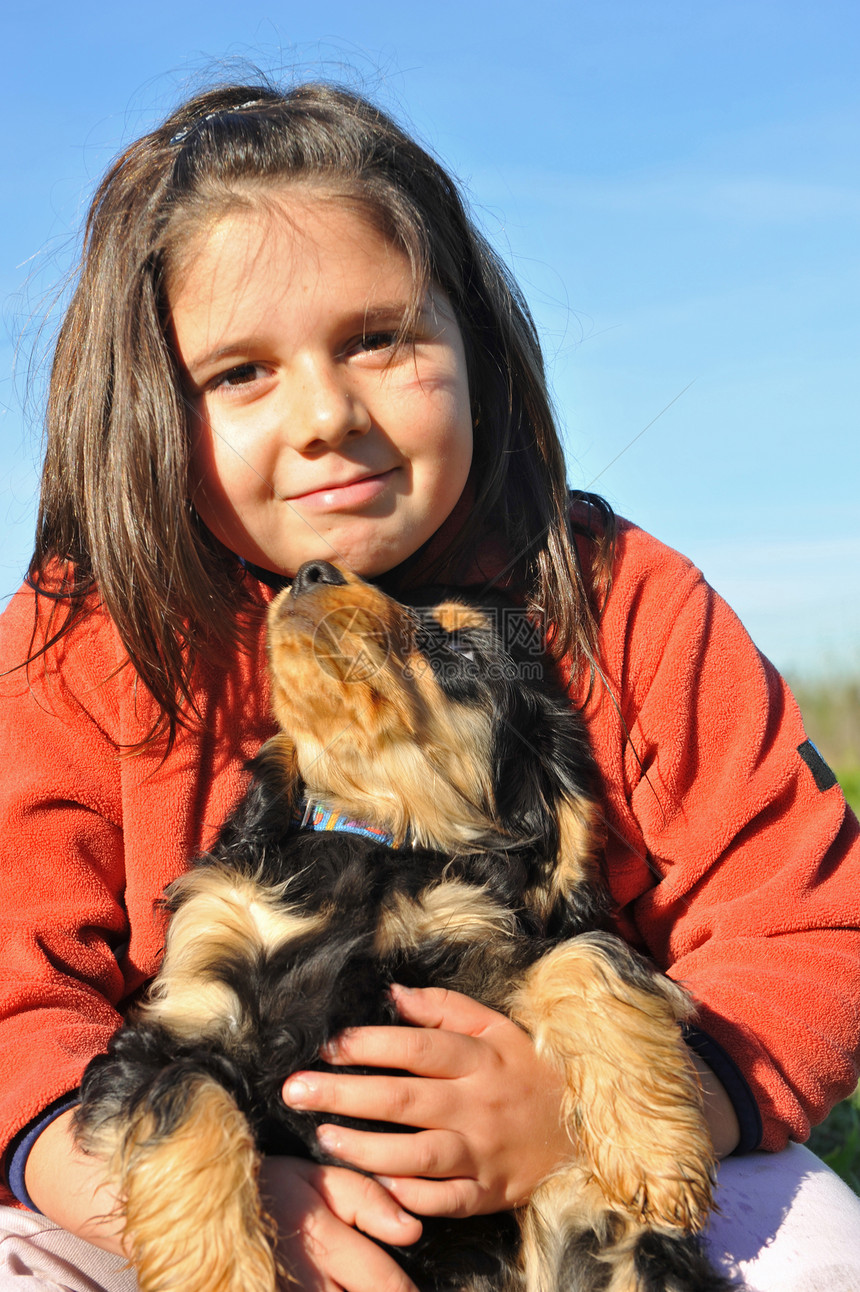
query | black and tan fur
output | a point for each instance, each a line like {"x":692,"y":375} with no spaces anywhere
{"x":424,"y":722}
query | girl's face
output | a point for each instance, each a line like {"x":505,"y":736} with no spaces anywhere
{"x":313,"y":437}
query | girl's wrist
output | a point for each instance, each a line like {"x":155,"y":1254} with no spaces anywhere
{"x":719,"y":1110}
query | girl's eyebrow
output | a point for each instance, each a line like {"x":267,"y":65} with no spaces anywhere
{"x":211,"y":358}
{"x":383,"y":315}
{"x":388,"y":311}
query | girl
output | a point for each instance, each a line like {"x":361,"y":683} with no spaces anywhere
{"x":288,"y":341}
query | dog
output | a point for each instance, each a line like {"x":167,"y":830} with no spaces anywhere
{"x":469,"y":860}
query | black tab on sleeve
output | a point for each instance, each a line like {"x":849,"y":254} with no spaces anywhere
{"x":821,"y":773}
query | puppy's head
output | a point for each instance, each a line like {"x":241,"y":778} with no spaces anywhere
{"x":433,"y":721}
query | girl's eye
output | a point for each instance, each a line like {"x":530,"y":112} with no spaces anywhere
{"x":242,"y":375}
{"x":377,"y":341}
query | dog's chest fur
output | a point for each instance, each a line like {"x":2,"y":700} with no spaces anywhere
{"x":373,"y":915}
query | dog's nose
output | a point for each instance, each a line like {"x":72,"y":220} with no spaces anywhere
{"x":312,"y":573}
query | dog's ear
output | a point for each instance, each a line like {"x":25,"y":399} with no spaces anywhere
{"x":545,"y":791}
{"x":540,"y":758}
{"x":264,"y":815}
{"x":577,"y":895}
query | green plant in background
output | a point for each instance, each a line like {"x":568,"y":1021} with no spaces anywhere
{"x":837,"y":1140}
{"x":849,"y":779}
{"x":831,"y":712}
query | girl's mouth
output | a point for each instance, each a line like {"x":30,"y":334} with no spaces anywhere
{"x":353,"y":493}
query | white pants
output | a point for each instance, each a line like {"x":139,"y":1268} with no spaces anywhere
{"x":786,"y":1224}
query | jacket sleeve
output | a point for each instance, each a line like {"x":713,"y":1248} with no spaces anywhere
{"x":757,"y":908}
{"x":62,"y":919}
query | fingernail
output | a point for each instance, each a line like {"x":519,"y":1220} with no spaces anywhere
{"x":328,"y":1138}
{"x":404,"y":1218}
{"x":397,"y":989}
{"x":298,"y":1091}
{"x":385,"y":1180}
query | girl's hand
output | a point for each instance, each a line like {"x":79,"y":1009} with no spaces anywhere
{"x":490,"y":1107}
{"x":324,"y":1215}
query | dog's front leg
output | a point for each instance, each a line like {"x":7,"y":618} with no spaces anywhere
{"x":162,"y":1109}
{"x":193,"y":1220}
{"x":182,"y":1158}
{"x":641,"y":1154}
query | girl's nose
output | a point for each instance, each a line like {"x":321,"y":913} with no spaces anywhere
{"x":324,"y":407}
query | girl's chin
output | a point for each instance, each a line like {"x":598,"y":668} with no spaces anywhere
{"x":369,"y":562}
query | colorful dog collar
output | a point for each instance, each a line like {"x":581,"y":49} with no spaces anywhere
{"x":317,"y":817}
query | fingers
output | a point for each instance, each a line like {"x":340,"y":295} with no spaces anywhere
{"x":328,"y":1256}
{"x":435,"y":1007}
{"x":401,"y":1100}
{"x":426,"y":1052}
{"x":440,"y":1043}
{"x":364,"y":1204}
{"x":320,"y":1213}
{"x":435,"y":1154}
{"x":429,"y":1172}
{"x":455,"y":1197}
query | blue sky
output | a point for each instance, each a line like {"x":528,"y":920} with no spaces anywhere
{"x":675,"y":184}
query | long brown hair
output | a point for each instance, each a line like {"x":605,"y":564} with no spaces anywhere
{"x":115,"y":521}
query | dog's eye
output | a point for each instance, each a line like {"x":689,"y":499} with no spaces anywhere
{"x":460,"y":647}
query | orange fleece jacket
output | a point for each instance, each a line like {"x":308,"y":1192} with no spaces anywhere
{"x":726,"y":863}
